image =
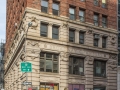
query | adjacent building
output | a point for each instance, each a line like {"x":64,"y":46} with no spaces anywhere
{"x":72,"y":44}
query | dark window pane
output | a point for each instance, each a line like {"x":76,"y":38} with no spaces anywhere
{"x":49,"y":66}
{"x":76,"y":66}
{"x":119,"y":58}
{"x":72,"y":13}
{"x":104,"y":21}
{"x":95,"y":19}
{"x":55,"y":32}
{"x":44,"y":6}
{"x":55,"y":9}
{"x":103,"y":42}
{"x":71,"y":35}
{"x":119,"y":23}
{"x":43,"y":30}
{"x":100,"y":68}
{"x":81,"y":37}
{"x":82,"y":15}
{"x":96,"y":2}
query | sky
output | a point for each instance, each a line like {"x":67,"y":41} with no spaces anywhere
{"x":2,"y":19}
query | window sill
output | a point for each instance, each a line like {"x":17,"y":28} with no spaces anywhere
{"x":100,"y":77}
{"x":73,"y":75}
{"x":49,"y":73}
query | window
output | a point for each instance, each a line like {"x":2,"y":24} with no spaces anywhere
{"x":76,"y":87}
{"x":104,"y":21}
{"x":99,"y":68}
{"x":119,"y":57}
{"x":96,"y":19}
{"x":55,"y":9}
{"x":119,"y":40}
{"x":104,"y":5}
{"x":96,"y":2}
{"x":76,"y":65}
{"x":99,"y":88}
{"x":71,"y":35}
{"x":119,"y":7}
{"x":82,"y":15}
{"x":49,"y":86}
{"x":55,"y":32}
{"x":104,"y":40}
{"x":43,"y":30}
{"x":82,"y":0}
{"x":81,"y":37}
{"x":49,"y":62}
{"x":118,"y":23}
{"x":44,"y":6}
{"x":72,"y":13}
{"x":96,"y":39}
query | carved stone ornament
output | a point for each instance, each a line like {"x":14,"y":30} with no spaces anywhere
{"x":113,"y":39}
{"x":111,"y":56}
{"x":32,"y":43}
{"x":34,"y":22}
{"x":113,"y":65}
{"x":89,"y":59}
{"x":65,"y":25}
{"x":64,"y":55}
{"x":22,"y":57}
{"x":90,"y":30}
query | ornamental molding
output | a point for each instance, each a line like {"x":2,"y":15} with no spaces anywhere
{"x":34,"y":22}
{"x":113,"y":65}
{"x":64,"y":56}
{"x":33,"y":43}
{"x":89,"y":60}
{"x":113,"y":56}
{"x":113,"y":39}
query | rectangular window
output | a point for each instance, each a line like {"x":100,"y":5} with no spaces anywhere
{"x":104,"y":5}
{"x":44,"y":6}
{"x":81,"y":37}
{"x":82,"y":15}
{"x":71,"y":35}
{"x":104,"y":21}
{"x":99,"y":68}
{"x":72,"y":13}
{"x":119,"y":57}
{"x":96,"y":19}
{"x":43,"y":30}
{"x":96,"y":2}
{"x":99,"y":88}
{"x":119,"y":8}
{"x":49,"y":62}
{"x":55,"y":9}
{"x":76,"y":65}
{"x":119,"y":40}
{"x":49,"y":86}
{"x":55,"y":32}
{"x":104,"y":40}
{"x":119,"y":23}
{"x":96,"y":40}
{"x":76,"y":87}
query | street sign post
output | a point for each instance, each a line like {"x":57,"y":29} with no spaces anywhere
{"x":26,"y":67}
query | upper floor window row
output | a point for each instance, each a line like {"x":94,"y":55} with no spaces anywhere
{"x":55,"y":7}
{"x":103,"y":3}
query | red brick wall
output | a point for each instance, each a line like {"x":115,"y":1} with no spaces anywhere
{"x":15,"y":9}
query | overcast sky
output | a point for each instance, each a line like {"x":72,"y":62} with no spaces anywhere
{"x":2,"y":19}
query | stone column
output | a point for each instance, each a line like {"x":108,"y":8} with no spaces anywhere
{"x":64,"y":71}
{"x":50,"y":30}
{"x":89,"y":72}
{"x":77,"y":36}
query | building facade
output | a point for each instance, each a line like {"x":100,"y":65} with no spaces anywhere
{"x":72,"y":44}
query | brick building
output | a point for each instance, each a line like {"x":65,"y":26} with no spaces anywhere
{"x":72,"y":44}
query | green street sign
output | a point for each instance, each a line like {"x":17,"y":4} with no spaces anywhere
{"x":26,"y":67}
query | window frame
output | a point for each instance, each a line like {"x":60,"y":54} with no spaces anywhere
{"x":71,"y":65}
{"x":96,"y":2}
{"x":83,"y":33}
{"x":83,"y":17}
{"x":53,"y":60}
{"x":104,"y":22}
{"x":72,"y":30}
{"x":44,"y":6}
{"x":56,"y":10}
{"x":96,"y":22}
{"x":101,"y":68}
{"x":43,"y":30}
{"x":99,"y":87}
{"x":104,"y":44}
{"x":54,"y":33}
{"x":70,"y":14}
